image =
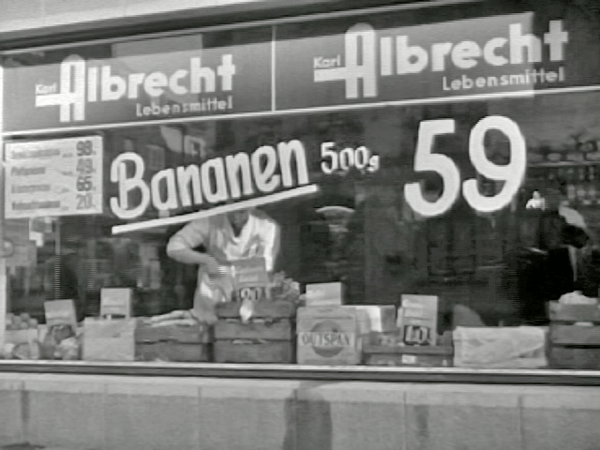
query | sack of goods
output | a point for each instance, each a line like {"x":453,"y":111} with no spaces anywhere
{"x":501,"y":347}
{"x":21,"y":339}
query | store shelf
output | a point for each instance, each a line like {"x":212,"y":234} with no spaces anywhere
{"x":295,"y":372}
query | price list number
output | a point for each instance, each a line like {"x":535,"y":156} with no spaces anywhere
{"x":251,"y":294}
{"x":511,"y":174}
{"x":85,"y":170}
{"x":416,"y":335}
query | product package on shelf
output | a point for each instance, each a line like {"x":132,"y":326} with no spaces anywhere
{"x":331,"y":335}
{"x":258,"y":328}
{"x":324,"y":294}
{"x":60,"y":338}
{"x":111,"y":336}
{"x":176,"y":337}
{"x":21,"y":338}
{"x":108,"y":339}
{"x":389,"y":349}
{"x":382,"y":318}
{"x":417,"y":319}
{"x":575,"y":333}
{"x":500,"y":347}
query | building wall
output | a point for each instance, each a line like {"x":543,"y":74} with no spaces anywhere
{"x":110,"y":412}
{"x":52,"y":20}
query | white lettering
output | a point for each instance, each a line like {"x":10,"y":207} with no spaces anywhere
{"x":203,"y":78}
{"x":214,"y":184}
{"x":155,"y":83}
{"x":362,"y":45}
{"x":166,"y":178}
{"x":216,"y":180}
{"x":118,"y":174}
{"x":465,"y":53}
{"x":113,"y":87}
{"x":236,"y":165}
{"x":264,"y":174}
{"x":489,"y":52}
{"x":186,"y":176}
{"x":103,"y":84}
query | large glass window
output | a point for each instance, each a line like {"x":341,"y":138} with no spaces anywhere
{"x":368,"y":221}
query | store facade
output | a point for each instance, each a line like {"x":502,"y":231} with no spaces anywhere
{"x":400,"y":193}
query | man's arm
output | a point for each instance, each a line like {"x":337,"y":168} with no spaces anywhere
{"x":181,"y":245}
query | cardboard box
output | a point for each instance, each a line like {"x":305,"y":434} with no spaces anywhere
{"x":60,"y":312}
{"x":382,"y":318}
{"x":417,"y":319}
{"x":109,"y":340}
{"x":331,"y":335}
{"x":21,"y":344}
{"x":324,"y":294}
{"x":116,"y":302}
{"x":251,"y":279}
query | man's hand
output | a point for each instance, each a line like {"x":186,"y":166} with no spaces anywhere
{"x":212,"y":266}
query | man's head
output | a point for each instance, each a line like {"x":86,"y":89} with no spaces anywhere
{"x":238,"y":219}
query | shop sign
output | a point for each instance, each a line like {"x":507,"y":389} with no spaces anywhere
{"x":57,"y":177}
{"x":271,"y":173}
{"x":365,"y":64}
{"x":82,"y":91}
{"x":331,"y":63}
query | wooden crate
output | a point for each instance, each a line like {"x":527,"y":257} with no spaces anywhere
{"x":172,"y":351}
{"x":262,"y":310}
{"x":271,"y":352}
{"x":574,"y":313}
{"x":412,"y":356}
{"x":172,"y":333}
{"x":279,"y":330}
{"x":574,"y":358}
{"x":580,"y":335}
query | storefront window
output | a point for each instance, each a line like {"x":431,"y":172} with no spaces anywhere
{"x":349,"y":191}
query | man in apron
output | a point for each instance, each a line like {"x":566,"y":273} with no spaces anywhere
{"x":228,"y":237}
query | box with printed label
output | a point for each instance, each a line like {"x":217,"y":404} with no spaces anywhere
{"x":116,"y":302}
{"x":331,"y":335}
{"x":382,"y":318}
{"x":109,"y":340}
{"x":60,"y":312}
{"x":324,"y":294}
{"x":417,"y":319}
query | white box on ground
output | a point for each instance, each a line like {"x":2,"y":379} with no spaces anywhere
{"x":382,"y":318}
{"x":324,"y":294}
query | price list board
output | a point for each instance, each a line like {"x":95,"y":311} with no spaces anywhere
{"x":61,"y":177}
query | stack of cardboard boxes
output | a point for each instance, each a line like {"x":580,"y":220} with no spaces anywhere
{"x":331,"y":333}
